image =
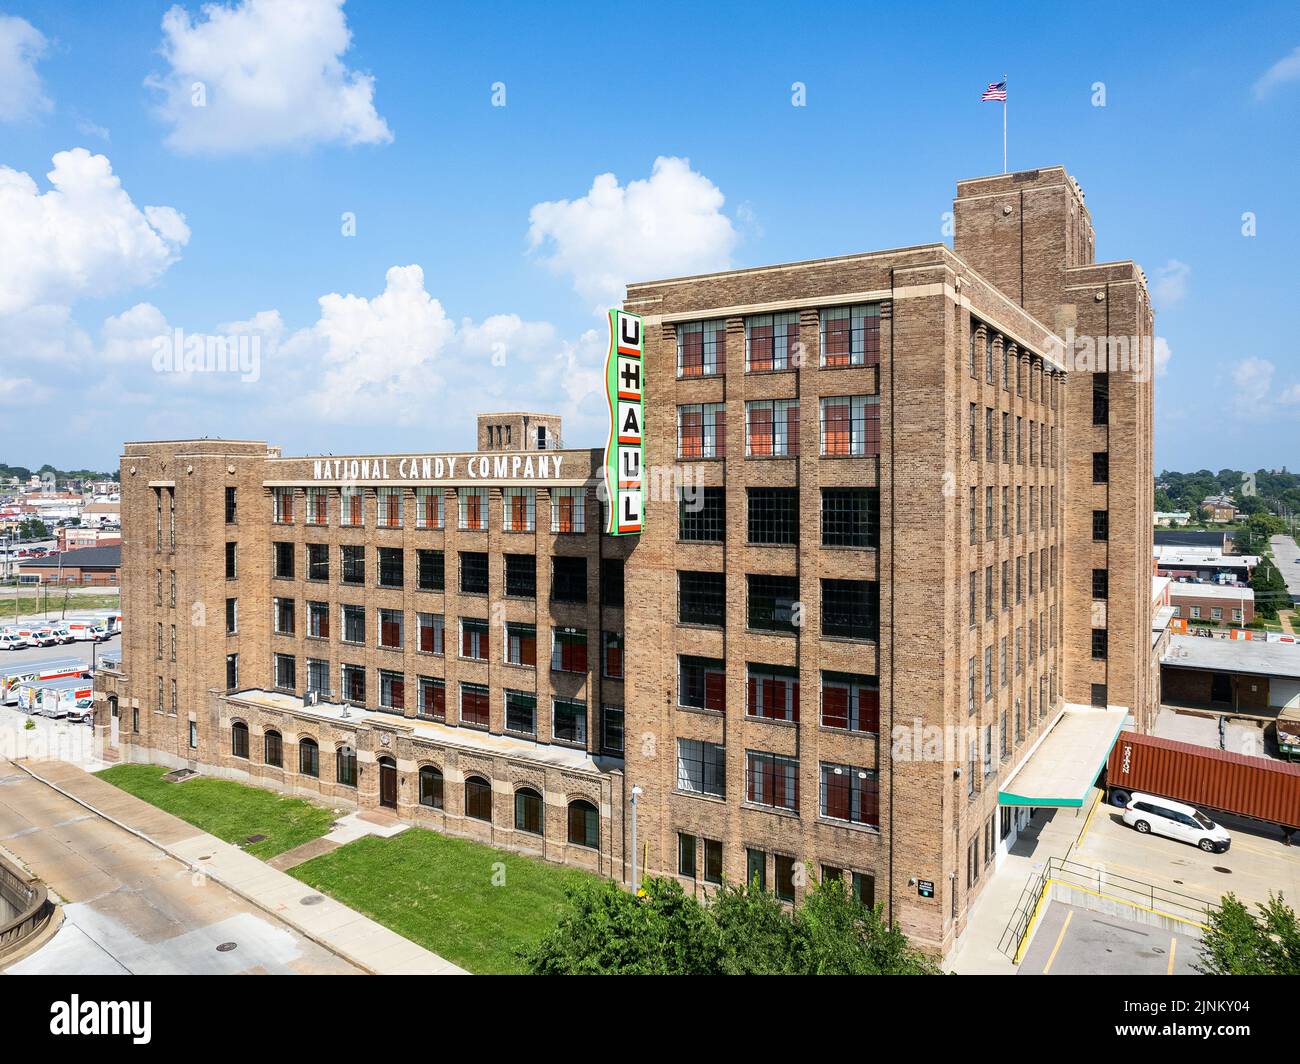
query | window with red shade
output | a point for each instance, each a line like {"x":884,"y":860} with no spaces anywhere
{"x":850,"y":701}
{"x":520,"y":509}
{"x":567,"y":510}
{"x":701,"y":430}
{"x":473,"y":508}
{"x":850,"y":336}
{"x":850,"y":425}
{"x":772,"y":692}
{"x":701,"y":348}
{"x":283,"y":505}
{"x":702,"y":683}
{"x":474,"y":705}
{"x":428,"y":507}
{"x":521,"y":644}
{"x":474,"y":640}
{"x":569,"y":650}
{"x":613,"y":655}
{"x":433,"y":698}
{"x":390,"y":507}
{"x":771,"y":341}
{"x":431,"y":632}
{"x":850,"y":793}
{"x":772,"y":428}
{"x":772,"y":780}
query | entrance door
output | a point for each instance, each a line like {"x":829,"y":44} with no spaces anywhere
{"x":388,"y":782}
{"x":113,"y":726}
{"x":1221,"y":687}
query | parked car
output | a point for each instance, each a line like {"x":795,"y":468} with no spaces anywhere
{"x":12,"y":641}
{"x":1148,"y":814}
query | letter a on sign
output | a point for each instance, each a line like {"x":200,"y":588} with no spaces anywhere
{"x":624,"y":449}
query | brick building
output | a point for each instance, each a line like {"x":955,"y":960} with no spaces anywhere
{"x":814,"y":432}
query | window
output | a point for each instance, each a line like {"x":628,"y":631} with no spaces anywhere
{"x":318,"y":561}
{"x":973,"y":346}
{"x":611,"y":582}
{"x":239,"y":740}
{"x":712,"y":861}
{"x":194,"y":735}
{"x":430,"y":570}
{"x":474,"y":707}
{"x":569,"y":721}
{"x":232,"y":675}
{"x":988,"y":434}
{"x":850,"y":517}
{"x":478,"y":798}
{"x":972,"y":596}
{"x":850,"y":336}
{"x":473,"y":508}
{"x":232,"y":616}
{"x":231,"y":568}
{"x":273,"y":749}
{"x":389,"y":502}
{"x":354,"y":564}
{"x":354,"y":684}
{"x":772,"y":780}
{"x":771,"y":602}
{"x":354,"y":624}
{"x":352,"y":507}
{"x":286,"y":672}
{"x":772,"y":692}
{"x":701,"y":683}
{"x":1006,"y":437}
{"x":611,"y":718}
{"x":308,"y":758}
{"x":850,"y":425}
{"x":474,"y":639}
{"x":473,"y":572}
{"x":519,"y":509}
{"x":528,"y":811}
{"x":988,"y":513}
{"x":784,"y":867}
{"x":232,"y":510}
{"x":1100,"y":583}
{"x":972,"y":515}
{"x":283,"y":616}
{"x":988,"y":673}
{"x":702,"y":430}
{"x":701,"y":348}
{"x":851,"y":702}
{"x":569,"y":650}
{"x":521,"y":712}
{"x":428,"y":508}
{"x":392,"y":690}
{"x":1100,"y":398}
{"x":771,"y":341}
{"x":850,"y":609}
{"x":701,"y":515}
{"x":521,"y":644}
{"x":1216,"y":614}
{"x":1100,"y":467}
{"x":701,"y":767}
{"x":568,"y":510}
{"x":701,"y":598}
{"x":284,"y":561}
{"x":521,"y":575}
{"x":345,"y":766}
{"x":772,"y":428}
{"x":773,"y":515}
{"x":569,"y":579}
{"x":430,"y":787}
{"x":1100,"y":525}
{"x":584,"y":824}
{"x":756,"y":869}
{"x":1097,"y":694}
{"x":283,"y":505}
{"x":1099,"y":641}
{"x":390,"y":567}
{"x":686,"y":849}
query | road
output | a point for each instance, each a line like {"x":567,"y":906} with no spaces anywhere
{"x":110,"y":648}
{"x":1074,"y":941}
{"x":131,"y":909}
{"x":1287,"y":555}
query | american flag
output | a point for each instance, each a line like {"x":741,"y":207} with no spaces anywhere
{"x":996,"y":91}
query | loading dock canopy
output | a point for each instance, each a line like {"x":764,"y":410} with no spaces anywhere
{"x":1062,"y":766}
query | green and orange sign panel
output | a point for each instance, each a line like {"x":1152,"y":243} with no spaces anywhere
{"x":625,"y":448}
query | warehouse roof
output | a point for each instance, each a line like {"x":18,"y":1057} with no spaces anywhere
{"x":85,"y":558}
{"x":1219,"y":591}
{"x":1252,"y":657}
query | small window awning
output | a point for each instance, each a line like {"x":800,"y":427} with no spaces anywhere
{"x":1062,"y":766}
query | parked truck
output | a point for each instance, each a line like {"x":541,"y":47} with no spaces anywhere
{"x":1257,"y":788}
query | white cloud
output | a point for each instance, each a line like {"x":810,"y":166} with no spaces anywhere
{"x":1169,"y":284}
{"x":1161,"y":354}
{"x":668,"y":224}
{"x":1285,"y":70}
{"x":82,"y":237}
{"x":1255,"y":390}
{"x":21,"y":46}
{"x":270,"y":75}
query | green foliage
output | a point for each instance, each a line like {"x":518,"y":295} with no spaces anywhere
{"x":1241,"y":943}
{"x":741,"y":931}
{"x":1270,"y":589}
{"x":1261,"y":491}
{"x":32,"y":528}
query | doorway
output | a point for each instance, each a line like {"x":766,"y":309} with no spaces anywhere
{"x":1220,"y":687}
{"x":388,"y":783}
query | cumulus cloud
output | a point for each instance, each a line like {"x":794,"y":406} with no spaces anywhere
{"x":21,"y":46}
{"x":1169,"y":284}
{"x":1255,"y":391}
{"x":671,"y":223}
{"x":82,"y":237}
{"x":263,"y":74}
{"x":1283,"y":72}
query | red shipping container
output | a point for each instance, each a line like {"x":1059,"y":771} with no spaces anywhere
{"x":1200,"y":775}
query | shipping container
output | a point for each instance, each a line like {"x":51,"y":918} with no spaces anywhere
{"x":1254,"y":787}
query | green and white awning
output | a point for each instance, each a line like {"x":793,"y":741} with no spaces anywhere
{"x":1061,"y":768}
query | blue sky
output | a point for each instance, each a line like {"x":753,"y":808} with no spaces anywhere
{"x":1202,"y":106}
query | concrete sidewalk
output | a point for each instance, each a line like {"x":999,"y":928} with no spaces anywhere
{"x":350,"y":935}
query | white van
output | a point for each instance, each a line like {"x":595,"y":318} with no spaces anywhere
{"x":1147,"y":813}
{"x":12,"y":641}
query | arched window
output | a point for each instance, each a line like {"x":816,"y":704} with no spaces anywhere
{"x":528,"y":811}
{"x":478,"y":798}
{"x":309,"y":757}
{"x":274,"y":749}
{"x":345,"y":761}
{"x":239,"y":739}
{"x":584,"y":824}
{"x":431,"y":787}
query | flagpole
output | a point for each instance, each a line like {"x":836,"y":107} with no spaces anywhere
{"x":1004,"y":123}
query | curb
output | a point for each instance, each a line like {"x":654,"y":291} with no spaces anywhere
{"x":343,"y":954}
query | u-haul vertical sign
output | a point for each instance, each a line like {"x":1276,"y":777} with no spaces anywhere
{"x":625,"y":450}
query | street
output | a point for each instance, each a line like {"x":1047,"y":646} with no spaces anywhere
{"x":1287,"y":555}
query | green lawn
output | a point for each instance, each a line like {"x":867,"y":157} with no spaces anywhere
{"x":439,"y":892}
{"x":229,"y":810}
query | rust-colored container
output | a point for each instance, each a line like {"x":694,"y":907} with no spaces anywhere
{"x":1199,"y":775}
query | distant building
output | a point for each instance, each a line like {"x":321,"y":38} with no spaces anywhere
{"x":1246,"y":676}
{"x":99,"y":566}
{"x":1166,"y":519}
{"x":1212,"y":603}
{"x":1219,"y":508}
{"x":74,"y":538}
{"x":99,"y":514}
{"x":1202,"y":563}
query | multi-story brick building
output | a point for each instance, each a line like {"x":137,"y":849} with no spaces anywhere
{"x":896,"y":543}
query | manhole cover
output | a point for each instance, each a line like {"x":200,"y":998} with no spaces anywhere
{"x":225,"y":947}
{"x":256,"y":838}
{"x":1225,"y":871}
{"x":312,"y":899}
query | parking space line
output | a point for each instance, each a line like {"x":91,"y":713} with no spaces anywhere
{"x":1059,"y":939}
{"x":1173,"y":950}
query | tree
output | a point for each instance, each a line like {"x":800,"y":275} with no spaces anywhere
{"x":1241,"y":943}
{"x":33,"y":528}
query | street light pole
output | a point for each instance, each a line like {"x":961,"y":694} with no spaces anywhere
{"x":636,"y":886}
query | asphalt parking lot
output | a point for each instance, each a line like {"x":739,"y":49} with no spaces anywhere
{"x":1073,"y":941}
{"x":1287,"y":555}
{"x":87,"y":652}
